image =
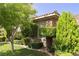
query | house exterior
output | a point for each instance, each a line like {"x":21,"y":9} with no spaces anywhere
{"x":47,"y":20}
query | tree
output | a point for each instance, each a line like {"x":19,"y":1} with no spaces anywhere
{"x":13,"y":16}
{"x":67,"y":33}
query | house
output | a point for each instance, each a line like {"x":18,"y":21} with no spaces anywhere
{"x":48,"y":20}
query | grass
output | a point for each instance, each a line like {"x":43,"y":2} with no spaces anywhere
{"x":61,"y":53}
{"x":5,"y":50}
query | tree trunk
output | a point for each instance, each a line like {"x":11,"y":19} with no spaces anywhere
{"x":12,"y":38}
{"x":12,"y":45}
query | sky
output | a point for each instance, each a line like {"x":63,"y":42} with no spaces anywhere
{"x":43,"y":8}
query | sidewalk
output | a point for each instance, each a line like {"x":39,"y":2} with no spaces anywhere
{"x":41,"y":50}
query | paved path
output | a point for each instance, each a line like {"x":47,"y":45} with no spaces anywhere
{"x":41,"y":50}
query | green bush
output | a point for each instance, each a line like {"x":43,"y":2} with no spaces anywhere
{"x":18,"y":36}
{"x":30,"y":31}
{"x":37,"y":45}
{"x":46,"y":31}
{"x":67,"y":34}
{"x":54,"y":32}
{"x":34,"y":31}
{"x":2,"y":39}
{"x":25,"y":41}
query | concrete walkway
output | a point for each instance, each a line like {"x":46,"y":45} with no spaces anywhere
{"x":41,"y":50}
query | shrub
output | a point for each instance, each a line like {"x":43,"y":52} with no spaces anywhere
{"x":18,"y":36}
{"x":30,"y":31}
{"x":25,"y":41}
{"x":46,"y":31}
{"x":67,"y":36}
{"x":37,"y":45}
{"x":50,"y":34}
{"x":54,"y":32}
{"x":2,"y":39}
{"x":34,"y":31}
{"x":3,"y":34}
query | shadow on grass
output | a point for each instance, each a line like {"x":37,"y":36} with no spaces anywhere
{"x":23,"y":52}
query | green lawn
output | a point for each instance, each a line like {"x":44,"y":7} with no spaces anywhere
{"x":5,"y":50}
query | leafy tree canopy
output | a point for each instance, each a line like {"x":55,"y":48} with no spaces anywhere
{"x":12,"y":15}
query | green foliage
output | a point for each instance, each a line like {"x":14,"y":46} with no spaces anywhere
{"x":3,"y":34}
{"x":18,"y":36}
{"x":54,"y":32}
{"x":46,"y":31}
{"x":67,"y":35}
{"x":25,"y":41}
{"x":59,"y":53}
{"x":30,"y":31}
{"x":13,"y":15}
{"x":34,"y":30}
{"x":2,"y":39}
{"x":5,"y":50}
